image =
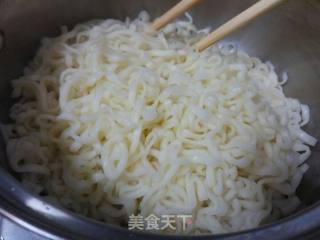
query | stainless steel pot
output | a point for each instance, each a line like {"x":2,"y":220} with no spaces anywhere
{"x":289,"y":37}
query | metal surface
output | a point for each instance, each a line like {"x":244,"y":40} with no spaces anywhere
{"x":12,"y":231}
{"x":288,"y":36}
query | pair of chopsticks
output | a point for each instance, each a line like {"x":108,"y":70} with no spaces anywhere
{"x":231,"y":26}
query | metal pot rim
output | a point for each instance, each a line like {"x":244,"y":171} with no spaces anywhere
{"x":54,"y":222}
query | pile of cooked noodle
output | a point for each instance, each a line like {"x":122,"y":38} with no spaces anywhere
{"x":112,"y":121}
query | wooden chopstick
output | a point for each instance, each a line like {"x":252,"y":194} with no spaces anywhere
{"x":237,"y":22}
{"x":173,"y":13}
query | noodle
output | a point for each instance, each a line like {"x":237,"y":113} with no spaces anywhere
{"x":113,"y":121}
